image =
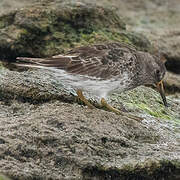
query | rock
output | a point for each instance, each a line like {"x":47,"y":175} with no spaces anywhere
{"x":159,"y":21}
{"x":46,"y":29}
{"x":172,"y":83}
{"x":43,"y":136}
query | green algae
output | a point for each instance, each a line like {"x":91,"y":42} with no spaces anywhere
{"x":147,"y":101}
{"x":154,"y":112}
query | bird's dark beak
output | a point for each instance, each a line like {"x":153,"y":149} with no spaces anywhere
{"x":160,"y":88}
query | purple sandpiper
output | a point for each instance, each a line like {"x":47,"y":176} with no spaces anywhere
{"x":103,"y":69}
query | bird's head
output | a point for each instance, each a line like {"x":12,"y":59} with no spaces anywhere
{"x":159,"y":69}
{"x":154,"y":66}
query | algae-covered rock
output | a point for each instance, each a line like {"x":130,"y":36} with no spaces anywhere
{"x":46,"y":29}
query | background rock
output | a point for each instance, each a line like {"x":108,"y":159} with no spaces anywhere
{"x":172,"y":82}
{"x":48,"y":29}
{"x":158,"y":20}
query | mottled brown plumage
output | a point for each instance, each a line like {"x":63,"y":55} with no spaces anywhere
{"x":114,"y":66}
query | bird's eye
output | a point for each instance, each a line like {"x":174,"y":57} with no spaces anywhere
{"x":157,"y":71}
{"x":158,"y":75}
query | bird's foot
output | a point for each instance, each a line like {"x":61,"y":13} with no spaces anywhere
{"x":110,"y":108}
{"x":83,"y":99}
{"x":106,"y":105}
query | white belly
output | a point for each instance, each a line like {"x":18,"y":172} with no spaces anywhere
{"x":96,"y":86}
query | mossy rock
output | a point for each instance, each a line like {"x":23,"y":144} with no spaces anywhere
{"x":46,"y":29}
{"x":147,"y":101}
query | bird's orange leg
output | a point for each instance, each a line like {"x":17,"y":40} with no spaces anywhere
{"x":105,"y":104}
{"x":83,"y":99}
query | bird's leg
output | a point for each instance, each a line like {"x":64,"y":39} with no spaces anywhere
{"x":83,"y":99}
{"x":105,"y":104}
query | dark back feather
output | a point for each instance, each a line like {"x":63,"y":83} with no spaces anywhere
{"x":100,"y":61}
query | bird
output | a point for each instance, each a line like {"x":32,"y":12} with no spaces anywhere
{"x":103,"y":69}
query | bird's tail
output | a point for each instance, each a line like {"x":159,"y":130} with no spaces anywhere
{"x":59,"y":62}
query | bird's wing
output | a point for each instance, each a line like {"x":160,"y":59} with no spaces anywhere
{"x":83,"y":61}
{"x":100,"y":61}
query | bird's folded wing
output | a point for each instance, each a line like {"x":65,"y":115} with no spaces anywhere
{"x":92,"y":67}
